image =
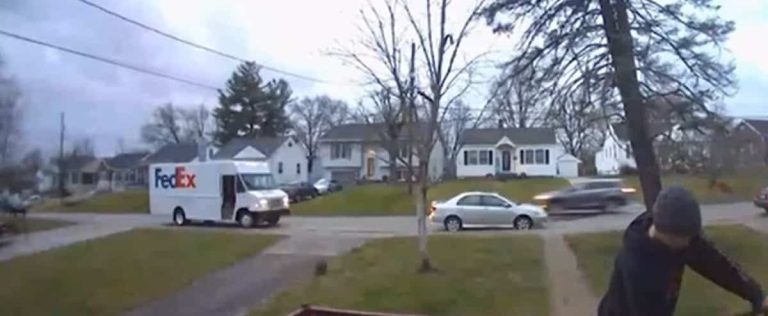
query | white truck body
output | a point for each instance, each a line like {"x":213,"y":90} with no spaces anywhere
{"x":215,"y":190}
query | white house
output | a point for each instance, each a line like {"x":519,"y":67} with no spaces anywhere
{"x":356,"y":151}
{"x":616,"y":151}
{"x":529,"y":151}
{"x":286,"y":156}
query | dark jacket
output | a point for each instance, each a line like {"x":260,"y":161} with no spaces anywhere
{"x":647,"y":274}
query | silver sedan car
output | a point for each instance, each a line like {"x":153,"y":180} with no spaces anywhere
{"x":485,"y":209}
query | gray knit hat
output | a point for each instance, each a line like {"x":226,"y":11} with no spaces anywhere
{"x":677,"y":212}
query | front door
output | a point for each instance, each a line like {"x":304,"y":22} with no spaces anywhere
{"x":227,"y":196}
{"x":369,"y":168}
{"x":506,"y":161}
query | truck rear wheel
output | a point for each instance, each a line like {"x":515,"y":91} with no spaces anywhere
{"x":245,"y":219}
{"x":179,"y":218}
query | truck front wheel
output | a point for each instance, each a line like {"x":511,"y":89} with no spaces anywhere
{"x":245,"y":219}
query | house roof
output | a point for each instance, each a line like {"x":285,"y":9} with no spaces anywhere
{"x":363,"y":131}
{"x":75,"y":163}
{"x":126,"y":160}
{"x":519,"y":136}
{"x":266,"y":145}
{"x":173,"y":153}
{"x":760,"y":125}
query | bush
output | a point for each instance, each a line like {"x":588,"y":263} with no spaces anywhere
{"x":628,"y":171}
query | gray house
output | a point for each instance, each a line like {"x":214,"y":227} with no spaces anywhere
{"x":358,"y":151}
{"x":126,"y":170}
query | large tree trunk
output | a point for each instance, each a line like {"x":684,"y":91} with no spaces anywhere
{"x":421,"y":215}
{"x":621,"y":48}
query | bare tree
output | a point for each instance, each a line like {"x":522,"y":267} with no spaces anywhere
{"x":439,"y":49}
{"x":171,"y":124}
{"x":197,"y":123}
{"x":517,"y":98}
{"x":165,"y":127}
{"x":312,"y":117}
{"x":83,"y":147}
{"x":458,"y":119}
{"x":379,"y":55}
{"x":643,"y":47}
{"x":10,"y":117}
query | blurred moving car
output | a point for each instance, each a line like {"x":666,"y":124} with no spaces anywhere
{"x":299,"y":191}
{"x":761,"y":200}
{"x":324,"y":186}
{"x":604,"y":195}
{"x":485,"y":209}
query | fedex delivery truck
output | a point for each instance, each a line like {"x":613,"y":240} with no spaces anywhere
{"x":239,"y":191}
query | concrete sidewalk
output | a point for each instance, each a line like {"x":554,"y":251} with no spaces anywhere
{"x":40,"y":241}
{"x":251,"y":282}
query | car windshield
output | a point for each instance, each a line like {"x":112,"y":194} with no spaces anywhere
{"x":321,"y":182}
{"x":258,"y":181}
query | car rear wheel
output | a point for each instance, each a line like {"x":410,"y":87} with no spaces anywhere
{"x":179,"y":218}
{"x":453,"y":224}
{"x":523,"y":222}
{"x":611,"y":205}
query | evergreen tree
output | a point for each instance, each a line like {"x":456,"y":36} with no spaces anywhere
{"x":249,"y":106}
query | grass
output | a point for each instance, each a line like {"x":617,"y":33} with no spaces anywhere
{"x":111,"y":275}
{"x":129,"y":201}
{"x":698,"y":296}
{"x":30,"y":225}
{"x":503,"y":276}
{"x":388,"y":199}
{"x":744,"y":185}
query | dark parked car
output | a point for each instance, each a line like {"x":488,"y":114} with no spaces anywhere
{"x":605,"y":195}
{"x":299,"y":191}
{"x":761,"y":200}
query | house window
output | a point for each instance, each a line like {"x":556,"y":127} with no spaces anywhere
{"x":341,"y":151}
{"x":478,"y":157}
{"x":88,"y":178}
{"x":534,"y":157}
{"x":298,"y":168}
{"x":485,"y":157}
{"x":472,"y":157}
{"x":280,"y":167}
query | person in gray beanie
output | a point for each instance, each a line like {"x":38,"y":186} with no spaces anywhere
{"x":648,"y":270}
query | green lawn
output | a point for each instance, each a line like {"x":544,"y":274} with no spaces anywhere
{"x":111,"y":275}
{"x":500,"y":276}
{"x":389,"y":199}
{"x":744,"y":185}
{"x":698,"y":296}
{"x":29,"y":225}
{"x":129,"y":201}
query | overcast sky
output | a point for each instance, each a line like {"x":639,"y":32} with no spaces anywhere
{"x":105,"y":103}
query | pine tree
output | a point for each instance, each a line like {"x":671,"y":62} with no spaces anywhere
{"x":249,"y":106}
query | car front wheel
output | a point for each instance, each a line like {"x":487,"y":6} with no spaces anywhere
{"x":452,"y":224}
{"x":246,"y":219}
{"x":179,"y":218}
{"x":523,"y":222}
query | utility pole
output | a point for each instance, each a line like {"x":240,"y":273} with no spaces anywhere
{"x":61,"y":158}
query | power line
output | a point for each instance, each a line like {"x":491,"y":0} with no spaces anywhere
{"x":198,"y":46}
{"x":107,"y":60}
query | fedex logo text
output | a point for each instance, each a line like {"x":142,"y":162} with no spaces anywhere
{"x":178,"y":179}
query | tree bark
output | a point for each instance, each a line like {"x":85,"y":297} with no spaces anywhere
{"x":421,"y":205}
{"x":621,"y":48}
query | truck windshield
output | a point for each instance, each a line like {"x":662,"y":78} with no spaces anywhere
{"x":258,"y":181}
